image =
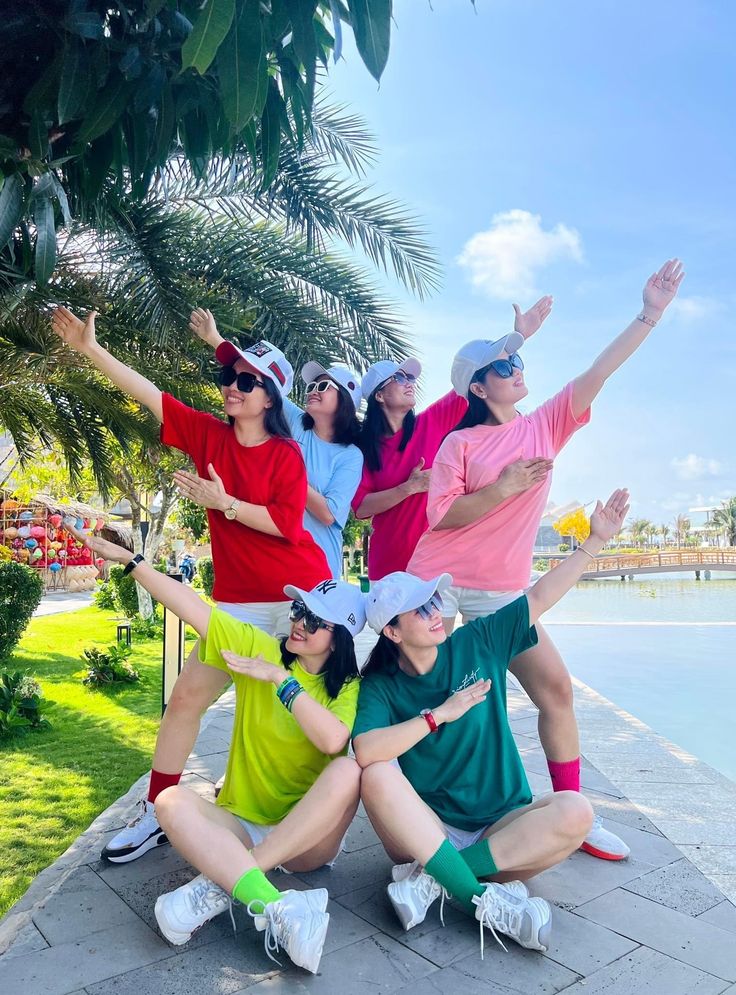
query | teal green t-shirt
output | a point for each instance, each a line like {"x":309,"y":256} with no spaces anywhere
{"x":469,"y":772}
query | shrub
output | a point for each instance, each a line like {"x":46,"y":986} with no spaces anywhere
{"x":541,"y":565}
{"x":109,"y":667}
{"x":563,"y":547}
{"x":147,"y":628}
{"x":126,"y":593}
{"x":206,"y":570}
{"x":197,"y":583}
{"x":104,"y":597}
{"x":21,"y":705}
{"x":21,"y":589}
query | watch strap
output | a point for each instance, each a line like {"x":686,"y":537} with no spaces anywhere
{"x":138,"y":558}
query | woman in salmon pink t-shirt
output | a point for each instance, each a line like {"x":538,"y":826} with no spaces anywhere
{"x":489,"y":488}
{"x":399,"y":448}
{"x":259,"y":543}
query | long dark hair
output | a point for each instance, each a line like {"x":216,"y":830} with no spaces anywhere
{"x":478,"y":412}
{"x":341,"y":666}
{"x":384,"y":657}
{"x":376,"y":427}
{"x":274,"y":421}
{"x":346,"y":427}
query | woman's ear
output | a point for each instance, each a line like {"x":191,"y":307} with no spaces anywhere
{"x":479,"y":390}
{"x":392,"y":632}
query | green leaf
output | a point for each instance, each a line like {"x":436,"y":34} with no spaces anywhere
{"x":97,"y":162}
{"x":38,"y":136}
{"x":8,"y":147}
{"x":63,"y":200}
{"x":110,"y":105}
{"x":371,"y":21}
{"x":74,"y":83}
{"x":243,"y":67}
{"x":165,"y":126}
{"x":43,"y":93}
{"x":84,"y":23}
{"x":207,"y":35}
{"x":271,"y":134}
{"x":43,"y":216}
{"x":301,"y":13}
{"x":11,"y":206}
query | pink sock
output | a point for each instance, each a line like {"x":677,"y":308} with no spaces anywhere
{"x":565,"y":776}
{"x":160,"y":781}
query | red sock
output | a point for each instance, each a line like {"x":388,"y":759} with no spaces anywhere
{"x":565,"y":776}
{"x":160,"y":781}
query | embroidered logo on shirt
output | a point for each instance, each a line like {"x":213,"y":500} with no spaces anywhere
{"x":325,"y":586}
{"x":469,"y":679}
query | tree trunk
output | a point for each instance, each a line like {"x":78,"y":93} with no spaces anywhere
{"x":145,"y":603}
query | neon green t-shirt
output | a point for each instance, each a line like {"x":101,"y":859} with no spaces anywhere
{"x":272,"y":763}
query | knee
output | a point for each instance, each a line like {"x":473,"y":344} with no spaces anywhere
{"x":575,"y":814}
{"x":556,"y":690}
{"x":344,"y":774}
{"x":169,"y":804}
{"x":374,"y":781}
{"x":187,"y":701}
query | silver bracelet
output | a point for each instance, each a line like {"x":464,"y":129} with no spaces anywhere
{"x":582,"y":550}
{"x":647,"y":321}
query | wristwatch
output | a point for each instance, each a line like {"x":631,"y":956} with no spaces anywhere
{"x":132,"y":564}
{"x":426,"y":714}
{"x":232,"y":510}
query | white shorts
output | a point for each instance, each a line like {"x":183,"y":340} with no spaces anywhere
{"x":472,"y":603}
{"x":258,"y":833}
{"x":271,"y":616}
{"x":460,"y":838}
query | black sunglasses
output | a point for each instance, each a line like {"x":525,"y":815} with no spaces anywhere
{"x":312,"y":622}
{"x":503,"y":368}
{"x":245,"y":381}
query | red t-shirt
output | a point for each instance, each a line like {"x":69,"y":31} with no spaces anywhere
{"x":396,"y":531}
{"x":250,"y":565}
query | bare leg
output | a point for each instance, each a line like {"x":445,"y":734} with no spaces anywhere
{"x":537,"y":836}
{"x":196,"y":688}
{"x":543,"y":675}
{"x":407,"y":827}
{"x":311,"y":834}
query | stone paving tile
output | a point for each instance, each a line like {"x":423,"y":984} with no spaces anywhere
{"x":210,"y":742}
{"x":723,"y":915}
{"x":524,"y":743}
{"x":620,"y":810}
{"x":658,"y":770}
{"x":646,"y":847}
{"x":679,"y":886}
{"x":581,"y":878}
{"x":64,"y":968}
{"x":83,"y":905}
{"x":345,"y":929}
{"x":374,"y":966}
{"x":690,"y":940}
{"x":712,"y":859}
{"x":694,"y":831}
{"x":726,"y":883}
{"x":372,"y":904}
{"x":583,"y":946}
{"x":664,"y":801}
{"x":27,"y":941}
{"x":212,"y":767}
{"x":525,"y":727}
{"x":159,"y":861}
{"x":353,"y":870}
{"x":648,"y":972}
{"x":360,"y":835}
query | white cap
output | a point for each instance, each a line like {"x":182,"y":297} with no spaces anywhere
{"x":342,"y":375}
{"x":385,"y":368}
{"x":479,"y":353}
{"x":265,"y":357}
{"x":400,"y":592}
{"x":333,"y":601}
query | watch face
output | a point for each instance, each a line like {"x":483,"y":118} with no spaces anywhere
{"x":230,"y":514}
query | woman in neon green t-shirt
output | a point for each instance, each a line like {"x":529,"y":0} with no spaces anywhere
{"x":290,"y":792}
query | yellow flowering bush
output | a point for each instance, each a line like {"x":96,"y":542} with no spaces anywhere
{"x":574,"y":524}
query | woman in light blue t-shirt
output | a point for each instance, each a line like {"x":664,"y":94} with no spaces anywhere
{"x":327,"y":431}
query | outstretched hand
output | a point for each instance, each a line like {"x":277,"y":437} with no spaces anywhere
{"x":206,"y":493}
{"x":203,"y":324}
{"x":529,"y":322}
{"x":661,"y":287}
{"x":607,"y":521}
{"x":79,"y":335}
{"x":255,"y":667}
{"x":101,"y":547}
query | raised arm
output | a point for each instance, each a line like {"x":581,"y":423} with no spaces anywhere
{"x":659,"y":291}
{"x":202,"y":323}
{"x":514,"y":479}
{"x":605,"y":523}
{"x":178,"y":598}
{"x":80,"y":336}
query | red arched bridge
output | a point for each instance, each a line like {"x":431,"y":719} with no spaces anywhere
{"x":691,"y":561}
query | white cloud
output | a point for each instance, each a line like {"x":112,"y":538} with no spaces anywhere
{"x":504,"y":260}
{"x":692,"y":467}
{"x":694,"y":309}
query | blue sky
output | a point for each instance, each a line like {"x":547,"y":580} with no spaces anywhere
{"x":570,"y":149}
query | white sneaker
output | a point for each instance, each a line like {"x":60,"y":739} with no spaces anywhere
{"x":138,"y":837}
{"x":182,"y":912}
{"x":401,"y":871}
{"x":601,"y":842}
{"x":413,"y":894}
{"x":526,"y":920}
{"x":298,"y":923}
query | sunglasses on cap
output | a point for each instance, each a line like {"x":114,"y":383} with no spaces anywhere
{"x":312,"y":622}
{"x":321,"y":386}
{"x":401,"y":378}
{"x":245,"y":382}
{"x":428,"y":609}
{"x":503,"y":368}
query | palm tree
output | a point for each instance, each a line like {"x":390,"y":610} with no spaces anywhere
{"x":681,"y":527}
{"x":725,"y":519}
{"x":639,"y":529}
{"x":664,"y":531}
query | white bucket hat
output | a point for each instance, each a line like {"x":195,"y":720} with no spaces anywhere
{"x":385,"y":368}
{"x":479,"y":353}
{"x":400,"y":592}
{"x":333,"y":601}
{"x":342,"y":375}
{"x":265,"y":357}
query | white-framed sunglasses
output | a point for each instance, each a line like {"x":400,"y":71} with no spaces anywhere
{"x":321,"y":386}
{"x":428,"y":609}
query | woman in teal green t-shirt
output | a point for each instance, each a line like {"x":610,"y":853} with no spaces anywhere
{"x":290,"y":792}
{"x":442,"y":780}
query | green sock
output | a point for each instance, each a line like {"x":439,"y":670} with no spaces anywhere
{"x":449,"y":869}
{"x":479,"y":859}
{"x":254,"y":886}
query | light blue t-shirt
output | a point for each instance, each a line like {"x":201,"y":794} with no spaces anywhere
{"x":334,"y":471}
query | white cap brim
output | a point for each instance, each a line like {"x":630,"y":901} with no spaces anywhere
{"x":313,"y":602}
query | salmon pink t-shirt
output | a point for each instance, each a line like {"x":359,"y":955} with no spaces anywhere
{"x":396,"y":531}
{"x":493,"y":553}
{"x":250,"y":565}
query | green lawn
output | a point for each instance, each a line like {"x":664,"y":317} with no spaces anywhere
{"x":54,"y":783}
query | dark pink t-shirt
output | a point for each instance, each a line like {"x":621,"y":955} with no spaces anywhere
{"x":397,"y":531}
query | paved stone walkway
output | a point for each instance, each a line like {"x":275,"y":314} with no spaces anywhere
{"x":56,"y":602}
{"x":654,"y":925}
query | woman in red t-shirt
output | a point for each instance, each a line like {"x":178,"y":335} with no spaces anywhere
{"x":258,"y":541}
{"x":399,"y":448}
